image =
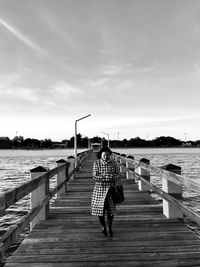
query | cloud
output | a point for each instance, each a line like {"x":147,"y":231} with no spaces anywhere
{"x":31,"y":44}
{"x":127,"y":68}
{"x":116,"y":68}
{"x":58,"y":29}
{"x":97,"y":83}
{"x":145,"y":70}
{"x":63,"y":89}
{"x":123,"y":123}
{"x":8,"y":80}
{"x":196,"y":69}
{"x":111,"y":69}
{"x":12,"y":90}
{"x":21,"y":37}
{"x":20,"y":93}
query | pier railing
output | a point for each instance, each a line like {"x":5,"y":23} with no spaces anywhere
{"x":40,"y":195}
{"x":172,"y":184}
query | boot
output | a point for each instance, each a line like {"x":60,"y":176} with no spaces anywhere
{"x":102,"y":222}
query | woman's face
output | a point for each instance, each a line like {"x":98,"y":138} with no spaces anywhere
{"x":105,"y":156}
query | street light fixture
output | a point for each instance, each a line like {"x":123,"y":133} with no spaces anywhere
{"x":108,"y":138}
{"x":75,"y":137}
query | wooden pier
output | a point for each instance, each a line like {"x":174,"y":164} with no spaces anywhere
{"x":143,"y":236}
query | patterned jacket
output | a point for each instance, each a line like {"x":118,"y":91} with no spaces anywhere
{"x":105,"y":175}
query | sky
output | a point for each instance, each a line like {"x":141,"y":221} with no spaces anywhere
{"x":134,"y":65}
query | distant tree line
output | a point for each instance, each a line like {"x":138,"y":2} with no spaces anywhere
{"x":162,"y":141}
{"x":18,"y":142}
{"x":29,"y":143}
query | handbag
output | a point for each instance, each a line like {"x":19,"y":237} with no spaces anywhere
{"x":117,"y":194}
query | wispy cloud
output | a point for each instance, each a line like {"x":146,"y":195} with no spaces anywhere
{"x":111,"y":69}
{"x":8,"y":80}
{"x":97,"y":83}
{"x":58,"y":30}
{"x":120,"y":68}
{"x":19,"y":35}
{"x":21,"y":93}
{"x":63,"y":89}
{"x":11,"y":90}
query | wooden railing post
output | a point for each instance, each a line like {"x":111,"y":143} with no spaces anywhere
{"x":145,"y":174}
{"x":173,"y":189}
{"x":78,"y":162}
{"x":61,"y":176}
{"x":71,"y":166}
{"x":123,"y":165}
{"x":37,"y":196}
{"x":130,"y":167}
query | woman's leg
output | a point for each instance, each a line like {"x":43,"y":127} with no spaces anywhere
{"x":110,"y":221}
{"x":103,"y":223}
{"x":109,"y":216}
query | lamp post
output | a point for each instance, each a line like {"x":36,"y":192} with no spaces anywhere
{"x":108,"y":138}
{"x":75,"y":137}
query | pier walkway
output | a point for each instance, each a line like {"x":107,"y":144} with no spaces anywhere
{"x":143,"y":236}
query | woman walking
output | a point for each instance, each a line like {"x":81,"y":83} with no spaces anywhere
{"x":105,"y":175}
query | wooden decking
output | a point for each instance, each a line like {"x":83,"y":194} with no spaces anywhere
{"x":72,"y":237}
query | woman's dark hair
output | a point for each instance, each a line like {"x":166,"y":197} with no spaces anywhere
{"x":104,"y":149}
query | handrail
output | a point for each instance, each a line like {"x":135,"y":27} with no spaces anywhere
{"x":173,"y":177}
{"x":170,"y":176}
{"x":14,"y":231}
{"x":10,"y":197}
{"x":187,"y":211}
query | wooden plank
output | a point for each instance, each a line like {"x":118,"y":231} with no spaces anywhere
{"x":105,"y":257}
{"x":116,"y":244}
{"x":155,"y":263}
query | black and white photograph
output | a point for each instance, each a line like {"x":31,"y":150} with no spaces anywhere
{"x":99,"y":133}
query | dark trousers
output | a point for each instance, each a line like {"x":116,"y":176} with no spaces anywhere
{"x":106,"y":209}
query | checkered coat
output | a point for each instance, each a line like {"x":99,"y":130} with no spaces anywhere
{"x":105,"y":175}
